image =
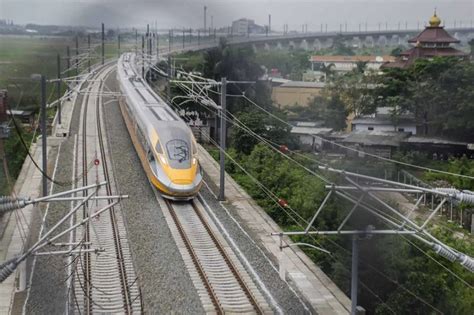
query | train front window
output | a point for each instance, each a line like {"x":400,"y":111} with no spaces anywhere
{"x":178,"y":150}
{"x":158,"y":147}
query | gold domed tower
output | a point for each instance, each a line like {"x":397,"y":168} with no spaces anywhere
{"x":435,"y":21}
{"x":433,"y":41}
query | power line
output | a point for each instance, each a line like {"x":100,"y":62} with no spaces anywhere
{"x":275,"y":199}
{"x":363,"y":152}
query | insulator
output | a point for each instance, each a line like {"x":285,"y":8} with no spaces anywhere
{"x":443,"y":251}
{"x":12,"y":205}
{"x":8,"y":268}
{"x":467,"y":262}
{"x":465,"y":196}
{"x":5,"y":199}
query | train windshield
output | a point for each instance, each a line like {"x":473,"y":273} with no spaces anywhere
{"x":178,"y":153}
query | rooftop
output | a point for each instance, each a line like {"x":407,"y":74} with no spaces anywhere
{"x":433,"y":34}
{"x":376,"y":138}
{"x":431,"y":52}
{"x":378,"y":59}
{"x":415,"y":139}
{"x":304,"y":84}
{"x":310,"y":130}
{"x":308,"y":123}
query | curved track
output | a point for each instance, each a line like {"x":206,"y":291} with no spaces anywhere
{"x":105,"y":282}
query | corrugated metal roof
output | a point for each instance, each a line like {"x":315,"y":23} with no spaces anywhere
{"x":353,"y":59}
{"x":310,"y":130}
{"x":415,"y":139}
{"x":376,"y":138}
{"x":308,"y":123}
{"x":304,"y":84}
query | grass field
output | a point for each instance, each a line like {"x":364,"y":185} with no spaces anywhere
{"x":21,"y":56}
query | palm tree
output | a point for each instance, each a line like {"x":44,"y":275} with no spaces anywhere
{"x":361,"y":66}
{"x":327,"y":70}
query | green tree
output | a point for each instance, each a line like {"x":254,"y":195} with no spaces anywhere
{"x":328,"y":70}
{"x":440,"y":92}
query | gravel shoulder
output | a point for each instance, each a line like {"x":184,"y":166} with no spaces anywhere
{"x":256,"y":255}
{"x":48,"y":287}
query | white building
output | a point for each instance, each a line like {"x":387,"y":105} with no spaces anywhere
{"x":382,"y":121}
{"x":310,"y":133}
{"x":344,"y":64}
{"x":244,"y":26}
{"x":241,"y":26}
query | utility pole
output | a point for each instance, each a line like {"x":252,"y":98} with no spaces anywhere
{"x":183,"y":38}
{"x":59,"y":88}
{"x":199,"y":38}
{"x":354,"y":273}
{"x":223,"y":113}
{"x":89,"y":53}
{"x":118,"y":42}
{"x":68,"y":58}
{"x":44,"y":134}
{"x":212,"y":21}
{"x":205,"y":16}
{"x":170,"y":39}
{"x":168,"y":87}
{"x":136,"y":42}
{"x":269,"y":23}
{"x":103,"y":44}
{"x":157,"y":46}
{"x":150,"y":47}
{"x":143,"y":56}
{"x":77,"y":56}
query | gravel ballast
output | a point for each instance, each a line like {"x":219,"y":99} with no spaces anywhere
{"x":258,"y":257}
{"x":165,"y":284}
{"x":164,"y":281}
{"x":48,"y":288}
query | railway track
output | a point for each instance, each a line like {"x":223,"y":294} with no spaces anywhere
{"x":104,"y":282}
{"x":223,"y":284}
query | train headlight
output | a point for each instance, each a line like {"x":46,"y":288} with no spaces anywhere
{"x":194,"y":161}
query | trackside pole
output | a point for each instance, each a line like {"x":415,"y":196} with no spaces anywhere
{"x":103,"y":43}
{"x":354,"y":271}
{"x":223,"y":136}
{"x":59,"y":88}
{"x":44,"y":135}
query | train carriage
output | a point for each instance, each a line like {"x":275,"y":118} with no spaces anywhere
{"x":164,"y":143}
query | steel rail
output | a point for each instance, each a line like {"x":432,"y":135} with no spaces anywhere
{"x":113,"y":219}
{"x":220,"y":309}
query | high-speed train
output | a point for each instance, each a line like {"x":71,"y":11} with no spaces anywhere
{"x":164,"y":143}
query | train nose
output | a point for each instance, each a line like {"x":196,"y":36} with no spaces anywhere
{"x":181,"y":181}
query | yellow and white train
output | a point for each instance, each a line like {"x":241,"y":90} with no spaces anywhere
{"x":164,"y":143}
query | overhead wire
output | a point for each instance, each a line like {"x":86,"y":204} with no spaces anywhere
{"x":285,"y":155}
{"x":405,"y":289}
{"x":275,"y":198}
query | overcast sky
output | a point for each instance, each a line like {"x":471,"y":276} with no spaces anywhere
{"x":189,"y":13}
